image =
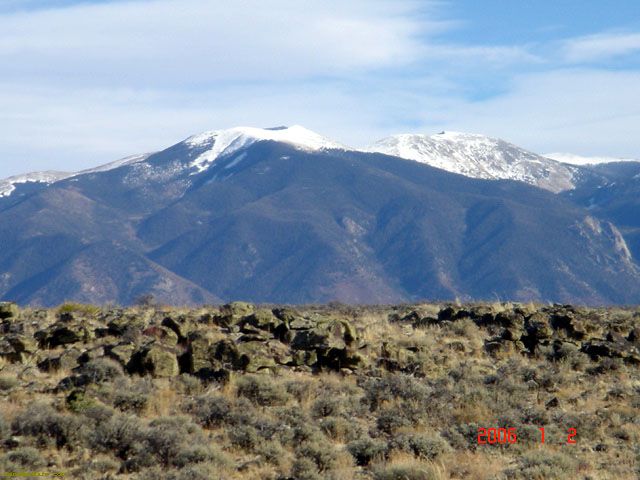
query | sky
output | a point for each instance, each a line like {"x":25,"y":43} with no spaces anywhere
{"x":86,"y":82}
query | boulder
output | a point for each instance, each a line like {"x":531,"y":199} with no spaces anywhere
{"x":233,"y":313}
{"x":122,"y":352}
{"x":8,"y":310}
{"x":67,"y":360}
{"x":120,"y":322}
{"x":338,"y":334}
{"x":61,"y":333}
{"x":162,"y":334}
{"x":159,"y":361}
{"x":17,"y":348}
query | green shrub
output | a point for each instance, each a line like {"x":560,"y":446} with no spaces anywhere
{"x":80,"y":308}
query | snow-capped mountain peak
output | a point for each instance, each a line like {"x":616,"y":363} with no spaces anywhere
{"x":479,"y":156}
{"x":8,"y":185}
{"x":223,"y":142}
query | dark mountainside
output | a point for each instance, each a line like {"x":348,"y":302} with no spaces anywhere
{"x":272,"y":223}
{"x":613,"y":193}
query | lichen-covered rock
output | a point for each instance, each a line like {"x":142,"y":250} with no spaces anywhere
{"x":156,"y":360}
{"x":122,"y":352}
{"x":62,"y":333}
{"x":17,"y":348}
{"x":120,"y":321}
{"x":233,"y":313}
{"x":162,"y":334}
{"x":8,"y":310}
{"x":67,"y":360}
{"x":337,"y":334}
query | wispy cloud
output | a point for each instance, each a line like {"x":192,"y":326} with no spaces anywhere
{"x":601,"y":46}
{"x":86,"y":82}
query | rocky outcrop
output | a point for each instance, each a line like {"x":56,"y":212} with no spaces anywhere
{"x":213,"y":343}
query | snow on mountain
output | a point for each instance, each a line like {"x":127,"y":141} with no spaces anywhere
{"x":580,"y":160}
{"x":224,"y":142}
{"x":8,"y":185}
{"x":479,"y":156}
{"x":117,"y":164}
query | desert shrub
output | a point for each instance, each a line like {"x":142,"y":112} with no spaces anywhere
{"x":202,"y":471}
{"x":245,"y":437}
{"x":605,"y":365}
{"x":8,"y":383}
{"x":262,"y":390}
{"x":271,"y":451}
{"x":122,"y":435}
{"x":210,"y":411}
{"x":127,"y":401}
{"x":187,"y":384}
{"x":425,"y":446}
{"x":80,"y":308}
{"x":77,"y":401}
{"x":542,"y":465}
{"x":98,"y":413}
{"x":326,"y":406}
{"x":318,"y":450}
{"x":409,"y":471}
{"x":305,"y":469}
{"x":406,"y":387}
{"x":48,"y":426}
{"x":300,"y":390}
{"x":391,"y":419}
{"x":24,"y":458}
{"x":367,"y":449}
{"x":462,"y":436}
{"x":101,"y":370}
{"x":339,"y":428}
{"x":5,"y":429}
{"x":193,"y":454}
{"x":103,"y":464}
{"x":171,"y":437}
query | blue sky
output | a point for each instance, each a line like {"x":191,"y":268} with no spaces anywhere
{"x":87,"y":82}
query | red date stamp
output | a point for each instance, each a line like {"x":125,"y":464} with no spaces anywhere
{"x":491,"y":436}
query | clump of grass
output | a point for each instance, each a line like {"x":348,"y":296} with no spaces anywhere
{"x":79,"y":308}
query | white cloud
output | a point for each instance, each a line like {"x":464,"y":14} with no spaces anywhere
{"x":87,"y":84}
{"x":197,"y":42}
{"x":587,"y":112}
{"x":601,"y":46}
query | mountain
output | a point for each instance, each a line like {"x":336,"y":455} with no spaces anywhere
{"x":9,"y":185}
{"x":581,"y":160}
{"x":287,"y":216}
{"x":612,"y":193}
{"x":478,"y":156}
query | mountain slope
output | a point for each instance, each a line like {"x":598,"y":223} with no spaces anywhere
{"x":478,"y":156}
{"x":582,"y":160}
{"x":287,"y":216}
